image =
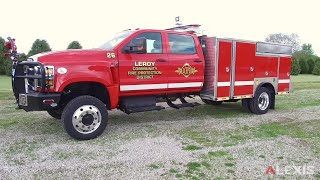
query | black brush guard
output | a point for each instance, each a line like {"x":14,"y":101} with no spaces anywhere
{"x":20,"y":78}
{"x":21,"y":87}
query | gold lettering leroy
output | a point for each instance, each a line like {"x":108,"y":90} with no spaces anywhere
{"x":186,"y":70}
{"x":144,"y":70}
{"x":144,"y":63}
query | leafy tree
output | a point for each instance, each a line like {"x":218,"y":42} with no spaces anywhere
{"x":305,"y":53}
{"x":23,"y":57}
{"x":74,"y":45}
{"x":304,"y":66}
{"x":39,"y":46}
{"x":295,"y":67}
{"x":5,"y":63}
{"x":288,"y":39}
{"x":316,"y":69}
{"x":307,"y":49}
{"x":310,"y":62}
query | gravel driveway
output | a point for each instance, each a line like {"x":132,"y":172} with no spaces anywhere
{"x":156,"y":145}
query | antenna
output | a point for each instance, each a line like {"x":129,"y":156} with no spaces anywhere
{"x":178,"y":21}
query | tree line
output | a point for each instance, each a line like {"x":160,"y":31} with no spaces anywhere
{"x":38,"y":46}
{"x":304,"y":61}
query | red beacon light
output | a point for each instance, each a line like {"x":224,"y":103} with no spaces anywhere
{"x":10,"y":45}
{"x":7,"y":45}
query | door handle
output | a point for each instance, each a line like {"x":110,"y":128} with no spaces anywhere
{"x":198,"y":60}
{"x":161,"y":60}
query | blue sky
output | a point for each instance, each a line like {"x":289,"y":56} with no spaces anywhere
{"x":95,"y":21}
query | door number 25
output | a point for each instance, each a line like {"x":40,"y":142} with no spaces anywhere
{"x":111,"y":55}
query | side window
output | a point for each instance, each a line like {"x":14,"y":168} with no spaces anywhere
{"x":153,"y":42}
{"x":182,"y":44}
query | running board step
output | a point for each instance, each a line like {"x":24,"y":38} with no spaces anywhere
{"x":183,"y":105}
{"x":142,"y":109}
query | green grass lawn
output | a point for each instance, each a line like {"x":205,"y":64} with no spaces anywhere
{"x":214,"y":144}
{"x":306,"y":81}
{"x":306,"y":93}
{"x":5,"y":88}
{"x":5,"y":83}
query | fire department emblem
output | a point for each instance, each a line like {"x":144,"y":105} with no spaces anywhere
{"x":186,"y":70}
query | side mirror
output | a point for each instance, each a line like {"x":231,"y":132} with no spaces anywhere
{"x":137,"y":46}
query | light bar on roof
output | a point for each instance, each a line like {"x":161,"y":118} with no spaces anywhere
{"x":192,"y":28}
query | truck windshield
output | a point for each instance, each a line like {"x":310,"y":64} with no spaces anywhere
{"x":116,"y":40}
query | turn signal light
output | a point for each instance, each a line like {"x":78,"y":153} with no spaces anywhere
{"x":50,"y":82}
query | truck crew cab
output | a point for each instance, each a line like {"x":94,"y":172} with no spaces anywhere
{"x":139,"y":68}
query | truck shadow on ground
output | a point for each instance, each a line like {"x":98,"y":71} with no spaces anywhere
{"x":227,"y":110}
{"x":118,"y":122}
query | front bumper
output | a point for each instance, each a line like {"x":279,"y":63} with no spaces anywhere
{"x":30,"y":89}
{"x":38,"y":101}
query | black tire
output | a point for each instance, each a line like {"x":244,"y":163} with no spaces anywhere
{"x":96,"y":117}
{"x":254,"y":102}
{"x":246,"y":105}
{"x":55,"y":113}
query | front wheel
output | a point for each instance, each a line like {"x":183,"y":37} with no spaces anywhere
{"x":261,"y":102}
{"x":85,"y":117}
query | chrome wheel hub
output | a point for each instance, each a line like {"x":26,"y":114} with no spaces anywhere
{"x":263,"y":101}
{"x":86,"y":119}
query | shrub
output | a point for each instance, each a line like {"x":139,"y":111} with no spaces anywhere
{"x":310,"y":62}
{"x":295,"y":67}
{"x":304,"y":66}
{"x":316,"y":69}
{"x":7,"y":69}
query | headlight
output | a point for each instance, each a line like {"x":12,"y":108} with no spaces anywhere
{"x":49,"y":71}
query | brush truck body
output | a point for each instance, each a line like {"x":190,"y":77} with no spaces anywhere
{"x":138,"y":69}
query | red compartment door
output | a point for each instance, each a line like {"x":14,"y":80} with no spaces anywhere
{"x":244,"y":68}
{"x":284,"y":74}
{"x":224,"y":69}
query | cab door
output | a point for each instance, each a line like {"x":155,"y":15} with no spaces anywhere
{"x":186,"y":63}
{"x":144,"y":73}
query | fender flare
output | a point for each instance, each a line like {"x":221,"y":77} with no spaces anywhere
{"x":76,"y":80}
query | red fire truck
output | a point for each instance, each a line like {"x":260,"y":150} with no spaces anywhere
{"x":137,"y":69}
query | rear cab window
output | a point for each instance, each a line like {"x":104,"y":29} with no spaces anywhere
{"x":182,"y":44}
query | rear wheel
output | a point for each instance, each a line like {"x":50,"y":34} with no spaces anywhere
{"x":261,"y":102}
{"x":85,"y":117}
